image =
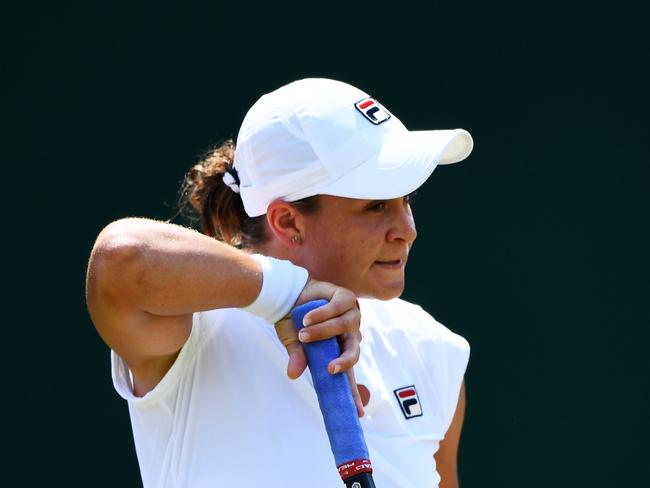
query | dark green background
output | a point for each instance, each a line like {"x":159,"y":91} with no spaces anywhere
{"x":534,"y":249}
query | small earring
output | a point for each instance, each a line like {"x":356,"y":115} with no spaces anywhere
{"x":295,"y":239}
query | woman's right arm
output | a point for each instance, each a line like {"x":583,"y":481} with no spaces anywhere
{"x":146,"y":278}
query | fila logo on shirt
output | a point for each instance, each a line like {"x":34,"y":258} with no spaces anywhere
{"x":372,"y":110}
{"x":409,"y":402}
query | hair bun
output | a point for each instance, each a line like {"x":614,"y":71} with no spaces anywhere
{"x":204,"y":192}
{"x":207,"y":175}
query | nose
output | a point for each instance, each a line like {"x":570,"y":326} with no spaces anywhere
{"x":403,"y":225}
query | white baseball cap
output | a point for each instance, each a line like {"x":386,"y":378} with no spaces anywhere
{"x":323,"y":137}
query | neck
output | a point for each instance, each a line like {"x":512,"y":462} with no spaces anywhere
{"x":275,"y":249}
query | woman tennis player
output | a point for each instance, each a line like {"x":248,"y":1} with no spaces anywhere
{"x":312,"y":202}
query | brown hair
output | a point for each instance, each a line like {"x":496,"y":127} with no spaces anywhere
{"x":219,"y":208}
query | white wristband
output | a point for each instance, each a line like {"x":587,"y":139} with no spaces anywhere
{"x":282,"y":283}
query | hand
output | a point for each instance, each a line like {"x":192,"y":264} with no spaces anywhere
{"x":340,"y":317}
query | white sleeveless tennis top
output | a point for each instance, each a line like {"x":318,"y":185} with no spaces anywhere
{"x":225,"y":414}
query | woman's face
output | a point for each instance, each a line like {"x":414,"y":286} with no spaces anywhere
{"x":361,"y":245}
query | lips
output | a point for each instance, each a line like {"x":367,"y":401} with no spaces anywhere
{"x":392,"y":263}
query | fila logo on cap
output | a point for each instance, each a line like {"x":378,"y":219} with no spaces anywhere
{"x":408,"y":400}
{"x":372,"y":110}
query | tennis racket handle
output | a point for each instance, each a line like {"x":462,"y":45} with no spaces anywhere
{"x":363,"y":480}
{"x":336,"y":403}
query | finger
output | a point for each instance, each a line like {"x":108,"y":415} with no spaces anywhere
{"x":288,"y":335}
{"x":286,"y":331}
{"x":341,"y":302}
{"x":349,"y":356}
{"x":356,"y":396}
{"x":343,"y":324}
{"x":314,"y":290}
{"x":297,"y":361}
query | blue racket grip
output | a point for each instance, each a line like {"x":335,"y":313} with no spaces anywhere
{"x":334,"y":395}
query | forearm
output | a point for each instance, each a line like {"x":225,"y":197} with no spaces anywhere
{"x":165,"y":269}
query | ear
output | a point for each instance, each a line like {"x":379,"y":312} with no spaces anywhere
{"x":286,"y":222}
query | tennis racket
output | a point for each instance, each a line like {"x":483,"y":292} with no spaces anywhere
{"x":337,"y":406}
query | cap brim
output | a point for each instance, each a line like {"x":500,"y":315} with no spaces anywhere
{"x":404,"y":163}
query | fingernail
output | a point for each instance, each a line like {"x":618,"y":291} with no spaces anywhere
{"x":303,"y":336}
{"x":336,"y":369}
{"x":306,"y":322}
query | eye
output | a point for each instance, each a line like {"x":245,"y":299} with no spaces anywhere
{"x":377,"y":206}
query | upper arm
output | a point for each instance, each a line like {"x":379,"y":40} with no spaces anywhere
{"x":148,"y":343}
{"x":447,"y":455}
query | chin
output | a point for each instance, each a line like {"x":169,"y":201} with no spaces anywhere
{"x":387,"y":292}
